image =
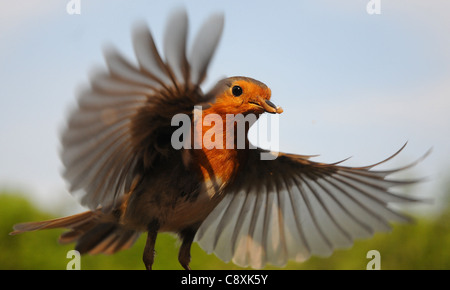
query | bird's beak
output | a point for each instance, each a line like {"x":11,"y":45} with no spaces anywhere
{"x":269,"y":107}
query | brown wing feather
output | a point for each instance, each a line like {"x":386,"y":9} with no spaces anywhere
{"x":292,"y":208}
{"x":122,"y":123}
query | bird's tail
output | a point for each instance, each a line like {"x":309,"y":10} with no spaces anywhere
{"x":93,"y":231}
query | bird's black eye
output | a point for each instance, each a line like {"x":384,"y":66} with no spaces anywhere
{"x":237,"y":91}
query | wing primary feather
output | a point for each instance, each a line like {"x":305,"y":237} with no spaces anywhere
{"x":382,"y":186}
{"x":207,"y":233}
{"x":242,"y":215}
{"x":342,"y":206}
{"x":175,"y":47}
{"x":94,"y":148}
{"x":227,"y":218}
{"x":266,"y":220}
{"x":89,"y":122}
{"x":385,"y":160}
{"x":78,"y":140}
{"x":384,"y":173}
{"x":241,"y":238}
{"x":339,"y":162}
{"x":204,"y":45}
{"x":297,"y":219}
{"x":331,"y":216}
{"x":228,"y":225}
{"x":120,"y":68}
{"x":99,"y":101}
{"x":256,"y":231}
{"x":313,"y":213}
{"x":103,"y":82}
{"x":148,"y":56}
{"x":281,"y":253}
{"x":368,"y":210}
{"x":78,"y":173}
{"x":375,"y":181}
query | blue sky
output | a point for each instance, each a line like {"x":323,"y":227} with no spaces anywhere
{"x":350,"y":83}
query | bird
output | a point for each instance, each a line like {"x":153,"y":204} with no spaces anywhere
{"x":121,"y":163}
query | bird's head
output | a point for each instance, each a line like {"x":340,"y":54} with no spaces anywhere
{"x":243,"y":95}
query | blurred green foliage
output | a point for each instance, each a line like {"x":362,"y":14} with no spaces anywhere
{"x":424,"y":244}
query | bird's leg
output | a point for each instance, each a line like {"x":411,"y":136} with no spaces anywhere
{"x":149,"y":251}
{"x":184,"y":255}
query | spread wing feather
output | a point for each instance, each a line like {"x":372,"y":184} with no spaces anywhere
{"x":292,"y":208}
{"x":102,"y":145}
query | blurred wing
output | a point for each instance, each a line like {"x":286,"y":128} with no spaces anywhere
{"x":122,"y":121}
{"x":292,"y":208}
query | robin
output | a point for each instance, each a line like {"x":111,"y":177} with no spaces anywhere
{"x":119,"y":158}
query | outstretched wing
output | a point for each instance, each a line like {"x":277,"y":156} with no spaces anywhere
{"x":122,"y":121}
{"x":292,"y":208}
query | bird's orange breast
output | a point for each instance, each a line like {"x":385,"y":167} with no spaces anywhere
{"x":218,"y":157}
